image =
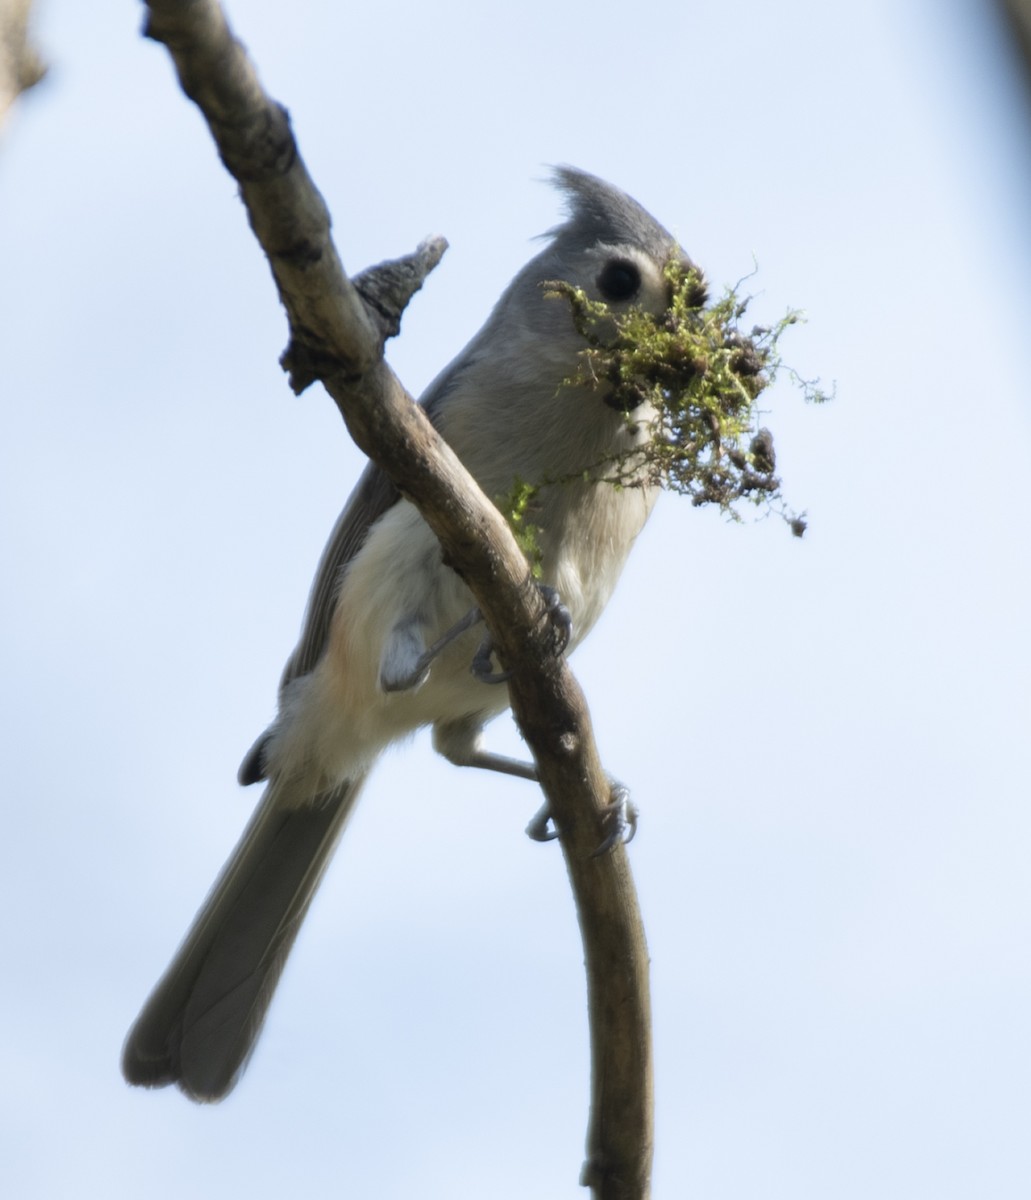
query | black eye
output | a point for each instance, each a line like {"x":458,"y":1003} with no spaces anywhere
{"x":619,"y":279}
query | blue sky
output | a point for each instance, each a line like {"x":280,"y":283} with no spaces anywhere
{"x":827,"y":739}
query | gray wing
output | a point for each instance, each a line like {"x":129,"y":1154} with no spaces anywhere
{"x":372,"y":497}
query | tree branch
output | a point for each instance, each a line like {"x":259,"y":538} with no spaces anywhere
{"x":20,"y":66}
{"x":337,"y":330}
{"x":1017,"y":16}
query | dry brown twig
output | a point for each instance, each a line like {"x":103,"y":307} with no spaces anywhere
{"x":336,"y":337}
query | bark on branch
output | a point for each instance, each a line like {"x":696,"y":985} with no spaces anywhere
{"x":337,"y":330}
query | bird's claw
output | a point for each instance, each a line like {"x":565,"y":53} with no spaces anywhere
{"x":540,"y":828}
{"x":619,"y":821}
{"x":560,"y":616}
{"x":481,"y":666}
{"x":562,"y":631}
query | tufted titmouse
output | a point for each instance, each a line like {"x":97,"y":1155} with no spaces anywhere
{"x":385,"y":646}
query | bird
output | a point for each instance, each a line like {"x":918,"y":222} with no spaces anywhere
{"x":388,"y":636}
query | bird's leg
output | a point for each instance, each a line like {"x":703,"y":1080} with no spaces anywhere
{"x":461,"y":743}
{"x":405,"y":661}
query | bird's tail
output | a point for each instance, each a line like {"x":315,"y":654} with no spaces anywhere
{"x":200,"y":1023}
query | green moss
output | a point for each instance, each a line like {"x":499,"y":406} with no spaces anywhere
{"x":516,"y":508}
{"x":702,"y":376}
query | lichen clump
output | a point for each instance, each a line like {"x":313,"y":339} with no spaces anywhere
{"x":702,"y":377}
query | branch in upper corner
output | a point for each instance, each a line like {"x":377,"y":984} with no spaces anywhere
{"x":21,"y":67}
{"x":1017,"y":14}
